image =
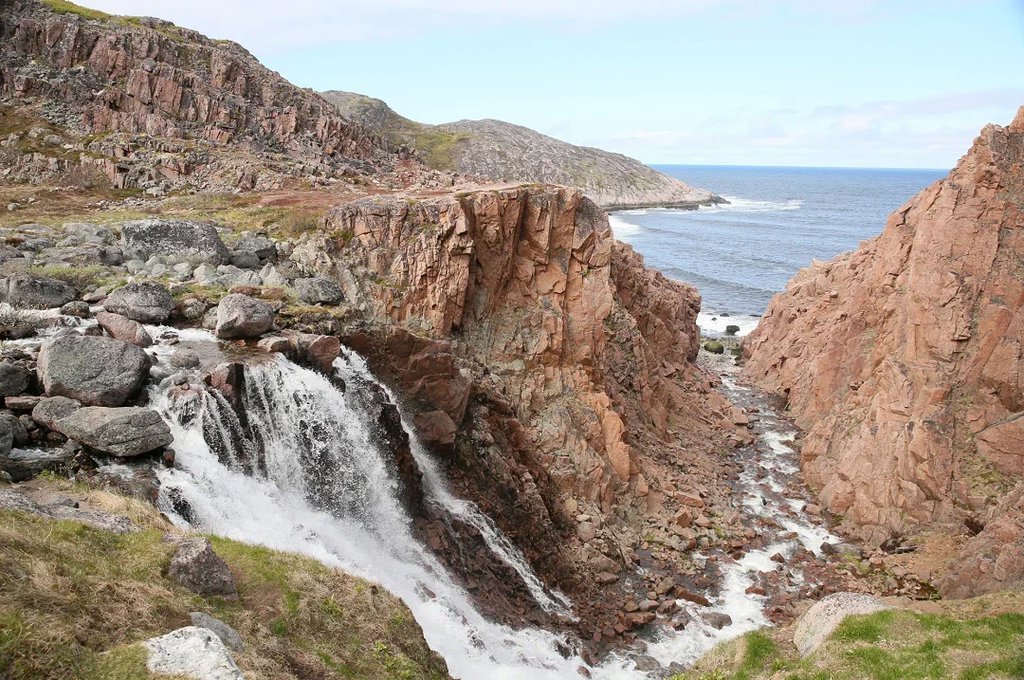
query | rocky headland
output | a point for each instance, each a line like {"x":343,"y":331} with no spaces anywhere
{"x":501,"y":151}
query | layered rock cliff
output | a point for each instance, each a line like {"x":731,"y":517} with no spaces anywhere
{"x":503,"y":151}
{"x":904,"y":363}
{"x":550,"y":370}
{"x":159,"y":103}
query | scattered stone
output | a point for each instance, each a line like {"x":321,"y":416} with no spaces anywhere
{"x":586,"y":531}
{"x":23,"y":464}
{"x":192,"y":652}
{"x":190,"y":309}
{"x":275,"y":343}
{"x":122,"y":432}
{"x":76,"y":308}
{"x":29,"y":292}
{"x":142,"y":301}
{"x":228,"y":635}
{"x":51,"y":409}
{"x":123,"y":328}
{"x":714,"y":347}
{"x":197,"y":567}
{"x":689,"y":596}
{"x":245,"y":260}
{"x":814,"y":627}
{"x":14,"y":379}
{"x":319,"y":290}
{"x":717,"y":620}
{"x":184,"y":358}
{"x":241,"y":316}
{"x":193,"y":242}
{"x":96,"y":371}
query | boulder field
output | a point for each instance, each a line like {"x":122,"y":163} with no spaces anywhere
{"x":904,"y":363}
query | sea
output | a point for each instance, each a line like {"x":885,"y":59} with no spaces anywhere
{"x":778,"y":220}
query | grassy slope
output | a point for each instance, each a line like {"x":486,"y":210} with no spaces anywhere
{"x":76,"y":601}
{"x":981,"y":638}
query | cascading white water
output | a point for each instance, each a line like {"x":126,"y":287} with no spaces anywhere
{"x":304,"y":475}
{"x":352,"y":368}
{"x":322,"y":488}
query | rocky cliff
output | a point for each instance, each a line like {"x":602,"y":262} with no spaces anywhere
{"x":550,"y":370}
{"x":903,"y":361}
{"x":148,"y":103}
{"x":498,"y":150}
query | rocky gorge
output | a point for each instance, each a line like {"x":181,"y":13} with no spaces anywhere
{"x":222,"y":298}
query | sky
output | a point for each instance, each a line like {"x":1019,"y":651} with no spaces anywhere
{"x":851,"y":83}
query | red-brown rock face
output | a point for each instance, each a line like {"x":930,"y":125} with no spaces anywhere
{"x":551,"y":371}
{"x":155,"y":81}
{"x":904,"y":363}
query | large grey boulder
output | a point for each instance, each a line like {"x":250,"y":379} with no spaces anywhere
{"x":23,"y":464}
{"x":825,"y":615}
{"x":142,"y":301}
{"x":123,"y":328}
{"x":122,"y":432}
{"x":241,"y":316}
{"x":6,"y":436}
{"x":263,"y":247}
{"x":51,"y":409}
{"x":197,"y":567}
{"x":35,"y":292}
{"x":319,"y":290}
{"x":96,"y":371}
{"x":192,"y":242}
{"x":228,"y":635}
{"x":14,"y":379}
{"x":191,"y":652}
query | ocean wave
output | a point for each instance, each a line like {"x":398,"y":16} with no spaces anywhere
{"x":711,"y":323}
{"x":621,"y":229}
{"x":749,"y":205}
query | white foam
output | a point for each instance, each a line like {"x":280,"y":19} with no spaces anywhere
{"x":623,"y":230}
{"x":737,"y":204}
{"x":712,"y":324}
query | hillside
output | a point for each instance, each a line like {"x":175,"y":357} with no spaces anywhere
{"x":502,"y":151}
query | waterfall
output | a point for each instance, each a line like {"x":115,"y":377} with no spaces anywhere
{"x":303,"y":473}
{"x":305,"y":476}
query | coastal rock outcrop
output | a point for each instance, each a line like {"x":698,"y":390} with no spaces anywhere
{"x":903,"y":362}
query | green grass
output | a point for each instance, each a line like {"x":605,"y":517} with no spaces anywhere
{"x":64,"y":7}
{"x":889,"y":645}
{"x":80,"y":277}
{"x":75,"y":602}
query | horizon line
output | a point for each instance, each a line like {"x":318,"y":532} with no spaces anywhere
{"x":794,"y":167}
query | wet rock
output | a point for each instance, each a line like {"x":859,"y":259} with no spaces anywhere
{"x":824,"y":616}
{"x":29,"y":292}
{"x":184,"y":358}
{"x":319,"y":290}
{"x":122,"y":432}
{"x":690,"y":596}
{"x":76,"y":308}
{"x":142,"y":301}
{"x":275,"y":343}
{"x":14,"y":379}
{"x":732,"y":329}
{"x":193,"y":242}
{"x":241,"y":316}
{"x":228,"y":379}
{"x":123,"y":328}
{"x":228,"y":635}
{"x":96,"y":371}
{"x":191,"y":652}
{"x":435,"y":427}
{"x":189,"y":309}
{"x":717,"y":620}
{"x":51,"y":409}
{"x":197,"y":567}
{"x":714,"y":347}
{"x":318,"y":351}
{"x":23,"y":464}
